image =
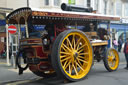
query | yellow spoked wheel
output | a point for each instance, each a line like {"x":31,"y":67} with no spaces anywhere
{"x":111,"y":60}
{"x":72,"y":55}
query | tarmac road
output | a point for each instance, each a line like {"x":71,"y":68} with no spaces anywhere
{"x":97,"y":76}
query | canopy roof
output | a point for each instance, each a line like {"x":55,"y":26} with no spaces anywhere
{"x":39,"y":14}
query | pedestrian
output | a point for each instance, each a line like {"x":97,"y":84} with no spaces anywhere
{"x":119,"y":45}
{"x":115,"y":43}
{"x":126,"y":53}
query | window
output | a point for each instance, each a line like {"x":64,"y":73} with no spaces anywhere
{"x":118,"y":8}
{"x":46,"y":2}
{"x":111,"y":9}
{"x":88,"y":3}
{"x":56,"y":2}
{"x":96,"y":5}
{"x":105,"y":7}
{"x":126,"y":9}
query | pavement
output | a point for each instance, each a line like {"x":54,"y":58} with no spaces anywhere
{"x":9,"y":75}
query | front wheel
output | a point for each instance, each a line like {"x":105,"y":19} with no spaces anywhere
{"x":111,"y":60}
{"x":72,"y":55}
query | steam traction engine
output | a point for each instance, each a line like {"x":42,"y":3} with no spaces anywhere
{"x":68,"y":45}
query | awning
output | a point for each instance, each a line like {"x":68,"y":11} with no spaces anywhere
{"x":119,"y":26}
{"x":41,"y":16}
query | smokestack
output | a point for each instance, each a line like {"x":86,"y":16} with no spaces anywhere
{"x":67,"y":7}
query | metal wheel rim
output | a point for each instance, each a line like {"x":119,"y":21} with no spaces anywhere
{"x":76,"y":55}
{"x":113,"y":59}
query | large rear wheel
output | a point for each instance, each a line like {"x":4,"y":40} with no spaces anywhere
{"x":72,"y":55}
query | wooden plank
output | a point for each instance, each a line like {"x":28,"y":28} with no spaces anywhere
{"x":31,"y":41}
{"x":99,"y":43}
{"x":91,"y":33}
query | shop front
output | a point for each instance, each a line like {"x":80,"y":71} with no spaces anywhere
{"x":2,"y":34}
{"x":120,"y":30}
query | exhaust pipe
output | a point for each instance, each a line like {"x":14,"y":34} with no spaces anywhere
{"x":75,"y":8}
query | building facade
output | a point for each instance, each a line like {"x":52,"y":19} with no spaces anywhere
{"x":107,"y":7}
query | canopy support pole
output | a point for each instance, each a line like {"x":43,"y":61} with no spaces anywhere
{"x":7,"y":45}
{"x":26,"y":25}
{"x":19,"y":33}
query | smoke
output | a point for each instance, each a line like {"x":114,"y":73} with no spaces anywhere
{"x":125,"y":1}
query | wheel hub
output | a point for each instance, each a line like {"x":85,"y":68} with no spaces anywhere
{"x":75,"y":55}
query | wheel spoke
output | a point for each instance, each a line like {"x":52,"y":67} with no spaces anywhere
{"x":75,"y":70}
{"x":62,"y":60}
{"x":63,"y":56}
{"x":114,"y":60}
{"x":81,"y":50}
{"x":66,"y":53}
{"x":109,"y":59}
{"x":76,"y":66}
{"x":110,"y":63}
{"x":113,"y":64}
{"x":81,"y":57}
{"x":70,"y":69}
{"x":82,"y":46}
{"x":67,"y":64}
{"x":79,"y":62}
{"x":111,"y":54}
{"x":69,"y":42}
{"x":82,"y":60}
{"x":83,"y":53}
{"x":66,"y":47}
{"x":73,"y":41}
{"x":80,"y":66}
{"x":78,"y":42}
{"x":78,"y":46}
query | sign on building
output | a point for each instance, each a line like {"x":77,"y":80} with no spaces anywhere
{"x":71,"y":1}
{"x":123,"y":20}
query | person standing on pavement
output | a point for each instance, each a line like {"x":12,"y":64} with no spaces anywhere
{"x":115,"y":43}
{"x":126,"y":53}
{"x":119,"y":45}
